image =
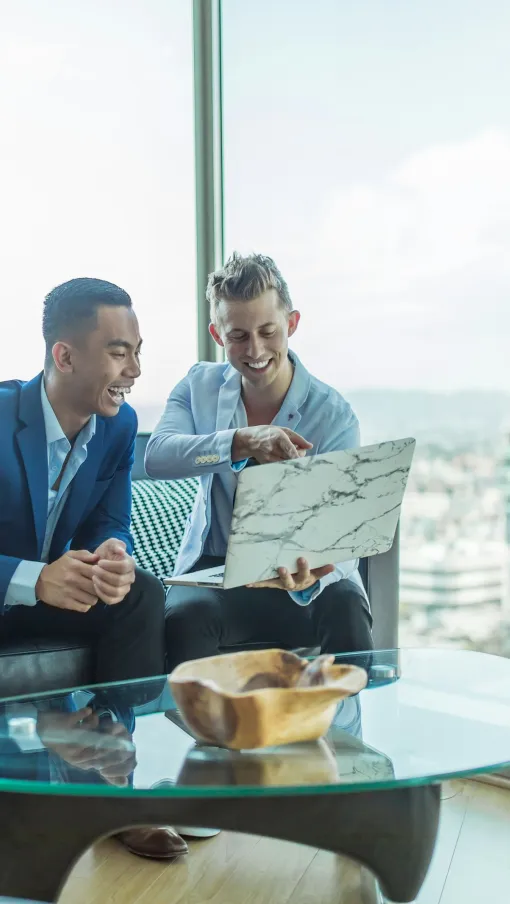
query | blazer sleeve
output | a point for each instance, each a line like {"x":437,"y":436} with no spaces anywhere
{"x":175,"y":450}
{"x":8,"y":568}
{"x":112,"y":515}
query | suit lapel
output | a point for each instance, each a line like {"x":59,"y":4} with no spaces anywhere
{"x":228,"y":398}
{"x":289,"y":414}
{"x":31,"y":439}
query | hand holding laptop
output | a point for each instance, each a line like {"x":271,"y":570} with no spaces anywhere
{"x":301,"y":580}
{"x":268,"y":444}
{"x":335,"y":506}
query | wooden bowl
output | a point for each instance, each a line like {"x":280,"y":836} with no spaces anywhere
{"x":261,"y":698}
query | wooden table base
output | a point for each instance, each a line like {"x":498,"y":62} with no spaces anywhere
{"x":393,"y":832}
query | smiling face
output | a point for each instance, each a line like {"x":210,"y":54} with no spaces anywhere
{"x":101,"y":366}
{"x":255,"y":335}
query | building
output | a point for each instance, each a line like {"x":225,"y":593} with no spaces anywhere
{"x":455,"y":553}
{"x":453,"y":592}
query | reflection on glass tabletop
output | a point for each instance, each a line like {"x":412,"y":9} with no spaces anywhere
{"x":425,"y":715}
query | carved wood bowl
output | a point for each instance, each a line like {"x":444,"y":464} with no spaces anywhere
{"x":261,"y":698}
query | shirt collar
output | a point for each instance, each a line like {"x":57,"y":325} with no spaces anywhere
{"x":298,"y":389}
{"x":289,"y":414}
{"x":54,"y":431}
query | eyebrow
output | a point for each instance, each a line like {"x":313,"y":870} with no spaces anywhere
{"x":122,"y":343}
{"x":238,"y":329}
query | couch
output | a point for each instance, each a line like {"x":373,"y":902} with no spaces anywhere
{"x":159,"y":513}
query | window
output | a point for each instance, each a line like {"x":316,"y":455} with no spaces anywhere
{"x":96,"y":173}
{"x":367,"y":149}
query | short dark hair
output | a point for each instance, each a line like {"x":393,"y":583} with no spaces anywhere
{"x":245,"y":278}
{"x":71,"y":308}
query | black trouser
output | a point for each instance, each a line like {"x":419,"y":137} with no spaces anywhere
{"x":200,"y":620}
{"x":128,"y":638}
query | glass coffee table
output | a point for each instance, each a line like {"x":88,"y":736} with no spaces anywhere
{"x":81,"y":764}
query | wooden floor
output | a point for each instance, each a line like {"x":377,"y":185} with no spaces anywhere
{"x":471,"y":865}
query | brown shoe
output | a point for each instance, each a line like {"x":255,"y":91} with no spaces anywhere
{"x":157,"y":843}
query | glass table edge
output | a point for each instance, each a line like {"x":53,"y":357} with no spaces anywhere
{"x":205,"y":791}
{"x":87,"y":790}
{"x":60,"y":691}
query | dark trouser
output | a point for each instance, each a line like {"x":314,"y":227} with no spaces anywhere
{"x":128,"y":638}
{"x":200,"y":620}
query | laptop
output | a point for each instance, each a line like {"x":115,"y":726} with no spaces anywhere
{"x":327,"y":508}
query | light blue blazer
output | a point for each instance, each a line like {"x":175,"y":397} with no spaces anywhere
{"x":194,"y":439}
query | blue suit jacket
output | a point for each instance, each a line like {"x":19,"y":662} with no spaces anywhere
{"x":194,"y":439}
{"x":99,"y":502}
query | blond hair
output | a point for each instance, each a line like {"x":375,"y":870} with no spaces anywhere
{"x":245,"y":278}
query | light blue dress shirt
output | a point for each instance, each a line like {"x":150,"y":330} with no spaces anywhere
{"x":21,"y":590}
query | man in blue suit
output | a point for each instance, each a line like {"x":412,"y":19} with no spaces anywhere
{"x":223,"y":417}
{"x":66,"y":450}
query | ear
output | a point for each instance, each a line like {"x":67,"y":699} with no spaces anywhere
{"x":216,"y":336}
{"x":62,"y":357}
{"x":294,"y":318}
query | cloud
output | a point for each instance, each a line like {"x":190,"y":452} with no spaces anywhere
{"x":442,"y":213}
{"x":411,"y":273}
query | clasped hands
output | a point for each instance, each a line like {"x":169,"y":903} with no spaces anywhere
{"x":80,"y":578}
{"x":78,"y":738}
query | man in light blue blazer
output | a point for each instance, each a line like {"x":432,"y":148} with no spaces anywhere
{"x":262,"y":406}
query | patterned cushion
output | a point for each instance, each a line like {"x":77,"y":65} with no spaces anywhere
{"x":158,"y":518}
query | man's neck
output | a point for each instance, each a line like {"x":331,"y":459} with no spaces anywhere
{"x":266,"y":403}
{"x":67,"y":416}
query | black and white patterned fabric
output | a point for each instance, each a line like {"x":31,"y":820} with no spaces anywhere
{"x":158,"y":518}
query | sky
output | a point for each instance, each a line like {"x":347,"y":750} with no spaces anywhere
{"x":367,"y":149}
{"x":96,"y":171}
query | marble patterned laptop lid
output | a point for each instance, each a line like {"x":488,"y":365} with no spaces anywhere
{"x":327,"y":508}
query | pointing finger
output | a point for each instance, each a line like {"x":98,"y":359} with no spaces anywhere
{"x":297,"y":439}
